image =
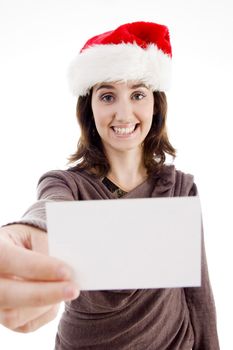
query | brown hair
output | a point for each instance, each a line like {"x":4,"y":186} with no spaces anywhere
{"x":90,"y":153}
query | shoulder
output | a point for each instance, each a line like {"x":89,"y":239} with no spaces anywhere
{"x":73,"y":183}
{"x":60,"y":181}
{"x":56,"y":175}
{"x":185,"y":184}
{"x":180,"y":183}
{"x":72,"y":177}
{"x":69,"y":175}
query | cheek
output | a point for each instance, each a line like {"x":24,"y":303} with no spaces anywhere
{"x":147,"y":115}
{"x":146,"y":109}
{"x":97,"y":113}
{"x":101,"y":121}
{"x":102,"y":116}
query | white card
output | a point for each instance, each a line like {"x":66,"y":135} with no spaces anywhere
{"x":128,"y":243}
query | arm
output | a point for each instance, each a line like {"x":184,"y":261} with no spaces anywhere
{"x":201,"y":306}
{"x":31,"y":283}
{"x":52,"y":186}
{"x":202,"y":311}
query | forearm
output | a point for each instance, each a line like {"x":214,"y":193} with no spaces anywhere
{"x":35,"y":216}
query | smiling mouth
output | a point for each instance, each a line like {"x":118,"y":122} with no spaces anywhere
{"x":124,"y":131}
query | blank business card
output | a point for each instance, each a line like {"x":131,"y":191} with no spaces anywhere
{"x":128,"y":243}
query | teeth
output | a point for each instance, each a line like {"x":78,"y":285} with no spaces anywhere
{"x":123,"y":131}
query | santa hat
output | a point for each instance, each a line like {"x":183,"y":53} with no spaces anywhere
{"x":134,"y":51}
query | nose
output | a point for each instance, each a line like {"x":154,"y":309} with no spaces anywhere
{"x":124,"y":111}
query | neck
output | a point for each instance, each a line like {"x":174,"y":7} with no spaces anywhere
{"x":127,"y":170}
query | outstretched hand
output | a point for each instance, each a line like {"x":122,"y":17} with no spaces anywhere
{"x":32,"y":284}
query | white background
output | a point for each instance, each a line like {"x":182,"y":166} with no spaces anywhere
{"x":38,"y":130}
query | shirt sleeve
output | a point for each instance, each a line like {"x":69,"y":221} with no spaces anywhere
{"x":201,"y":306}
{"x":52,"y":186}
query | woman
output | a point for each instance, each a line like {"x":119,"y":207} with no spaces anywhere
{"x":119,"y":78}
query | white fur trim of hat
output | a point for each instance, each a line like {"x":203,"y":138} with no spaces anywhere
{"x":138,"y":51}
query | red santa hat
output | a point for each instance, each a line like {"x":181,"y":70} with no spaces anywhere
{"x":134,"y":51}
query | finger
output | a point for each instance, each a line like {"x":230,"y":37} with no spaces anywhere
{"x":16,"y":293}
{"x":31,"y":265}
{"x":14,"y":318}
{"x":33,"y":325}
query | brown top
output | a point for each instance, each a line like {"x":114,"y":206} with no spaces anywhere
{"x":158,"y":319}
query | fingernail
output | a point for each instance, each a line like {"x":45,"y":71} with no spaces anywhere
{"x":71,"y":292}
{"x":64,"y":273}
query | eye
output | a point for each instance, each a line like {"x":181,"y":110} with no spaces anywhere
{"x":106,"y":98}
{"x":138,"y":96}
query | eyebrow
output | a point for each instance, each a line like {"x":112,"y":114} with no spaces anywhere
{"x":108,"y":86}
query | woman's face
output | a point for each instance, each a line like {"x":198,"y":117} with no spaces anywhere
{"x":123,"y":114}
